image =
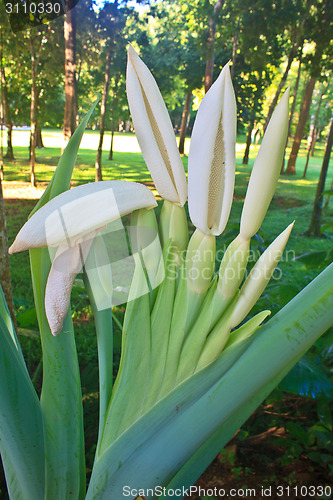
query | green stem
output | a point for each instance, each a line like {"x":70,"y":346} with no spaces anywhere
{"x":61,"y":398}
{"x":103,"y":326}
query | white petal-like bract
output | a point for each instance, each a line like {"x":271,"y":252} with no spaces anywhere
{"x":266,"y":170}
{"x":154,"y":131}
{"x":211,"y":163}
{"x":68,"y":217}
{"x":259,"y":276}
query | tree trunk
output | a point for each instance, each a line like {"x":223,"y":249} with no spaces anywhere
{"x":4,"y":260}
{"x":292,"y":111}
{"x":7,"y":117}
{"x":291,"y":57}
{"x":248,"y":142}
{"x":291,"y":167}
{"x":293,"y":105}
{"x":312,"y":132}
{"x":329,"y":196}
{"x":33,"y":108}
{"x":39,"y":138}
{"x":211,"y":44}
{"x":111,"y":146}
{"x":234,"y":52}
{"x":315,"y":223}
{"x":313,"y":144}
{"x":114,"y":114}
{"x":98,"y":163}
{"x":184,"y":122}
{"x":70,"y":82}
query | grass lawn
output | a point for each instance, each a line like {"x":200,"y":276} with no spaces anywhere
{"x":293,"y":201}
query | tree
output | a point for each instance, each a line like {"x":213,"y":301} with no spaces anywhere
{"x":70,"y":78}
{"x":315,"y":223}
{"x":313,"y":126}
{"x":318,"y":27}
{"x":7,"y":114}
{"x":211,"y":34}
{"x":36,"y":44}
{"x":291,"y":167}
{"x":112,"y":22}
{"x":4,"y":259}
{"x":292,"y":54}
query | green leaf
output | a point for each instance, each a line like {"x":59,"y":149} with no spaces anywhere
{"x":130,"y":386}
{"x":21,"y":428}
{"x":313,"y":259}
{"x":298,"y":432}
{"x":27,"y":319}
{"x":61,"y":397}
{"x":221,"y":394}
{"x":308,"y":379}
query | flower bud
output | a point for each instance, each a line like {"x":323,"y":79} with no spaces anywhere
{"x":145,"y":240}
{"x":259,"y":276}
{"x":154,"y":131}
{"x":233,"y":267}
{"x":266,"y":170}
{"x":212,"y":158}
{"x":173,"y":224}
{"x":200,"y":261}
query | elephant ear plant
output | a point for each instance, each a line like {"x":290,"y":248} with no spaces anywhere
{"x":191,"y":370}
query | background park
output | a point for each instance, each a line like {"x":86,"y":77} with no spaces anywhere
{"x":50,"y":76}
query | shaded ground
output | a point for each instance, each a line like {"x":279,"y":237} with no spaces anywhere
{"x":256,"y":473}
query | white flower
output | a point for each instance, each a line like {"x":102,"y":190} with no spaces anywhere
{"x":211,"y":163}
{"x":154,"y":131}
{"x":70,"y":221}
{"x":266,"y":170}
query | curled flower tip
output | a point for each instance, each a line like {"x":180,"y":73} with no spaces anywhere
{"x":75,"y":213}
{"x":211,"y":163}
{"x":259,"y":276}
{"x":70,"y":221}
{"x":266,"y":170}
{"x":154,"y":131}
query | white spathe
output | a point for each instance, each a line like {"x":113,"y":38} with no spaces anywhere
{"x":259,"y":276}
{"x":70,"y":221}
{"x":154,"y":131}
{"x":212,"y":157}
{"x":266,"y":170}
{"x":79,"y":211}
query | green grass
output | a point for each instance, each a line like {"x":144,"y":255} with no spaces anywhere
{"x":293,"y":199}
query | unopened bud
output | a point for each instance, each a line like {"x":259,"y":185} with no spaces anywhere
{"x":200,"y":261}
{"x":173,"y":225}
{"x":259,"y":276}
{"x":233,"y":267}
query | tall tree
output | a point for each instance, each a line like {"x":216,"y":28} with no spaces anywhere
{"x":291,"y":56}
{"x":184,"y":122}
{"x":7,"y":115}
{"x":211,"y":34}
{"x":313,"y":125}
{"x":98,"y":162}
{"x":112,"y":23}
{"x":318,"y":27}
{"x":291,"y":167}
{"x":315,"y":223}
{"x":36,"y":43}
{"x":4,"y":259}
{"x":70,"y":78}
